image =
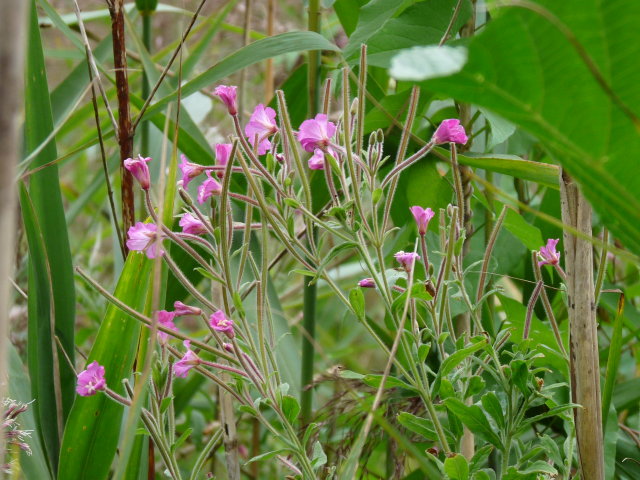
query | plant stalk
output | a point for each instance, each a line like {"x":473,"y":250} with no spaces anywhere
{"x":310,"y":294}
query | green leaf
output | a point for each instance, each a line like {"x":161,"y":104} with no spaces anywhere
{"x":319,"y":458}
{"x":492,"y":406}
{"x":456,"y":467}
{"x":267,"y":455}
{"x":453,"y":360}
{"x":348,"y":12}
{"x":480,"y":457}
{"x":51,"y":287}
{"x":528,"y":234}
{"x":511,"y":165}
{"x":92,"y":431}
{"x":473,"y":417}
{"x":390,"y":382}
{"x":356,"y":299}
{"x":520,"y":375}
{"x":522,"y":67}
{"x":422,"y":63}
{"x":290,"y":408}
{"x":613,"y":361}
{"x":372,"y":18}
{"x":610,"y":442}
{"x":388,"y":28}
{"x":421,"y":426}
{"x":246,"y":56}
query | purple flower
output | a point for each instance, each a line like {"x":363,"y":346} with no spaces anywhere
{"x":189,"y":170}
{"x":449,"y":131}
{"x":187,"y":362}
{"x":91,"y":380}
{"x":191,"y":224}
{"x":165,"y":319}
{"x":139,"y":169}
{"x":422,"y":216}
{"x":182,"y":309}
{"x":228,"y":96}
{"x":208,"y":188}
{"x":407,"y":259}
{"x":262,"y":123}
{"x":142,"y":238}
{"x":316,"y":133}
{"x":367,"y":283}
{"x":548,"y":254}
{"x":221,"y":323}
{"x":223,"y":151}
{"x":316,"y":162}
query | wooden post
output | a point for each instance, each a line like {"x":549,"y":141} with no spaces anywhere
{"x":585,"y":366}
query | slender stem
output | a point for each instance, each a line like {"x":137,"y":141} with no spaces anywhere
{"x":487,"y":253}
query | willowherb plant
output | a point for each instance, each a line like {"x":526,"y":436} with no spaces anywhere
{"x":446,"y":378}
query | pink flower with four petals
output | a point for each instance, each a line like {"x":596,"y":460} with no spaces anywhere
{"x":91,"y":380}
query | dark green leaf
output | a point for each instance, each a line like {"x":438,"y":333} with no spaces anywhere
{"x":473,"y":418}
{"x":525,"y":79}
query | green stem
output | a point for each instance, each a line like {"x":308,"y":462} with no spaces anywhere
{"x":310,"y":290}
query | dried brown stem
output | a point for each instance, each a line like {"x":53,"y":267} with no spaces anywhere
{"x":125,"y":130}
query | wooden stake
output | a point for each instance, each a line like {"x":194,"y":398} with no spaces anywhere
{"x":585,"y":367}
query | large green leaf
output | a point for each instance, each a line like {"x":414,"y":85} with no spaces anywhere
{"x":421,"y":24}
{"x":92,"y":431}
{"x":524,"y":67}
{"x":51,"y":286}
{"x":253,"y":53}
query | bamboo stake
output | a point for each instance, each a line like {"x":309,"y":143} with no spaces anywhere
{"x":585,"y":367}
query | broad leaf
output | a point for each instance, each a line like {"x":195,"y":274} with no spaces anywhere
{"x":524,"y":68}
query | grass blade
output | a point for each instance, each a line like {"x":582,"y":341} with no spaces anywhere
{"x":52,"y":296}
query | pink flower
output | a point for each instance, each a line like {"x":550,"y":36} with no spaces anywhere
{"x":182,"y":309}
{"x":316,"y":162}
{"x":262,"y":123}
{"x":407,"y":259}
{"x":189,"y":170}
{"x":139,"y":169}
{"x":187,"y":362}
{"x":142,"y":238}
{"x":548,"y":254}
{"x":208,"y":188}
{"x":422,"y":216}
{"x":165,"y":319}
{"x":316,"y":133}
{"x":449,"y":131}
{"x":221,"y":323}
{"x":367,"y":283}
{"x":228,"y":347}
{"x":228,"y":96}
{"x":191,"y":224}
{"x":91,"y":380}
{"x":223,"y":151}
